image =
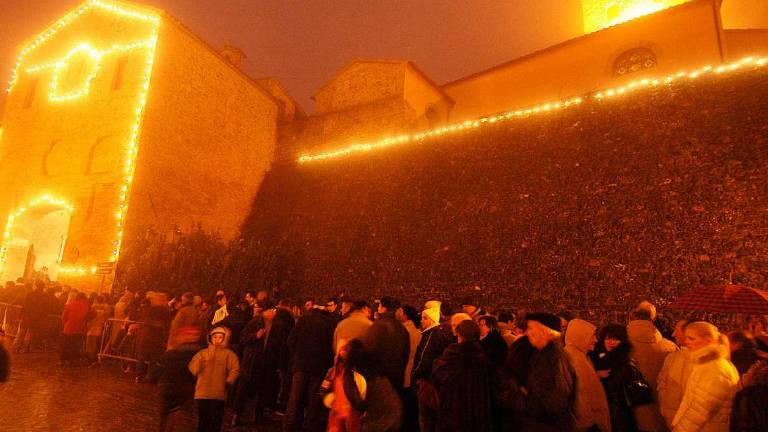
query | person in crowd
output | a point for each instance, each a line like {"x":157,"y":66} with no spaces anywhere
{"x":177,"y":384}
{"x":251,"y":366}
{"x":355,"y":325}
{"x":471,"y":307}
{"x":706,"y":404}
{"x":388,"y":340}
{"x":592,"y":410}
{"x":311,"y":347}
{"x":649,"y":349}
{"x":231,"y":317}
{"x":750,"y":410}
{"x":363,"y":399}
{"x":434,"y":340}
{"x":408,"y":317}
{"x":5,"y":358}
{"x":743,"y":350}
{"x":100,"y":313}
{"x":309,"y":305}
{"x":33,"y":319}
{"x":347,"y":305}
{"x":152,"y":333}
{"x":660,"y":323}
{"x":492,"y":342}
{"x":540,"y":383}
{"x":74,"y":318}
{"x":197,"y":301}
{"x":186,"y":316}
{"x":250,"y":300}
{"x":673,"y":375}
{"x":276,"y":369}
{"x":205,"y":315}
{"x":214,"y":368}
{"x":120,"y":314}
{"x":507,"y":327}
{"x":461,"y":375}
{"x":615,"y":368}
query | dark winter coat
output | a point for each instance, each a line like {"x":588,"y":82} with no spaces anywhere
{"x":151,"y":337}
{"x":431,"y":346}
{"x":539,"y":389}
{"x":35,"y":310}
{"x":276,"y":352}
{"x":750,"y":405}
{"x":177,"y":384}
{"x":743,"y":359}
{"x":253,"y":350}
{"x":461,"y":376}
{"x":619,"y":363}
{"x":382,"y":408}
{"x":310,"y":343}
{"x":388,"y":340}
{"x":495,"y":349}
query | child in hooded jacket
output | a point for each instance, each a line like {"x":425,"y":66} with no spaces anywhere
{"x":214,"y":368}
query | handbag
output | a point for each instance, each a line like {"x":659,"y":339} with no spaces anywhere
{"x":637,"y":392}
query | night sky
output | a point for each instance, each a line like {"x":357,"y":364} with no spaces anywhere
{"x":304,"y":42}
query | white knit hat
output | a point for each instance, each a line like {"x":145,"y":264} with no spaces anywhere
{"x":433,"y":313}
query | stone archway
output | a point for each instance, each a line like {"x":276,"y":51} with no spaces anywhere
{"x":35,"y":238}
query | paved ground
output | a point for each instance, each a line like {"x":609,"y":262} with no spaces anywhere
{"x":44,"y":397}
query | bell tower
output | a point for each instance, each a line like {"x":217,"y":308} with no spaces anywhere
{"x":598,"y":14}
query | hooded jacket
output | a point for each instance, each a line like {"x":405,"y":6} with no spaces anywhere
{"x":671,"y":382}
{"x":706,"y":404}
{"x":591,"y":402}
{"x":649,"y":349}
{"x":214,"y":368}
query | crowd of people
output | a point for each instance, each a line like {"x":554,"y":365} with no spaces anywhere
{"x":347,"y":365}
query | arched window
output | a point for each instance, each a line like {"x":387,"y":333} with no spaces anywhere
{"x":634,"y":60}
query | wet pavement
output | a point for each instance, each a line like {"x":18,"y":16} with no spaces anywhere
{"x":42,"y":396}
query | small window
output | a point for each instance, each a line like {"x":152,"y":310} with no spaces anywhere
{"x":119,"y":76}
{"x":634,"y":60}
{"x":29,"y":98}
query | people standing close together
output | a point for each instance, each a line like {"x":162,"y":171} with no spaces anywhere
{"x":348,"y":366}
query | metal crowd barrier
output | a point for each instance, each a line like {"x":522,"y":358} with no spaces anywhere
{"x":10,"y":315}
{"x":118,"y":340}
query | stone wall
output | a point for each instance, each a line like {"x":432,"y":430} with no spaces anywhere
{"x":652,"y":194}
{"x":208,"y":137}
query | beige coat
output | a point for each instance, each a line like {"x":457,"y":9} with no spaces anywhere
{"x":214,"y":368}
{"x":671,"y":383}
{"x":352,"y":327}
{"x":706,"y":404}
{"x":414,"y":335}
{"x":591,"y":402}
{"x":649,"y":350}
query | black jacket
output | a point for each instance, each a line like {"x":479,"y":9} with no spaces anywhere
{"x":276,"y":354}
{"x":619,"y":363}
{"x":461,"y":376}
{"x":311,"y":343}
{"x":431,"y":346}
{"x":495,"y":349}
{"x":388,"y":341}
{"x":750,"y":410}
{"x":176,"y":382}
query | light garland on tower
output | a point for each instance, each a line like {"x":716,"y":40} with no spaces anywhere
{"x":646,"y":83}
{"x":55,"y":95}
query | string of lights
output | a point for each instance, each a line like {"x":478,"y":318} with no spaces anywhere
{"x":96,"y":55}
{"x":646,"y":83}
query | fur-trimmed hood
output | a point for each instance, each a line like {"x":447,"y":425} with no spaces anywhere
{"x":709,"y":353}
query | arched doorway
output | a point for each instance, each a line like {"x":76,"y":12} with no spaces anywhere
{"x":35,"y":239}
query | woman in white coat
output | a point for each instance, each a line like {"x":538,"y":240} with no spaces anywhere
{"x":706,"y":404}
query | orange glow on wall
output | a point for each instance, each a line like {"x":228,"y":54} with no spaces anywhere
{"x":599,"y":14}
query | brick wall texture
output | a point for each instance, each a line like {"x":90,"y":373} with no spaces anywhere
{"x":652,"y":193}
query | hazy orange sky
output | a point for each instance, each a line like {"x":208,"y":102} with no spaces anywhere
{"x":304,"y":42}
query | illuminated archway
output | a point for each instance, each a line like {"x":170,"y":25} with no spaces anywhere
{"x":34,"y":239}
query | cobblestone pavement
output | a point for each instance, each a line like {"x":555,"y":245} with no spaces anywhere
{"x":41,"y":396}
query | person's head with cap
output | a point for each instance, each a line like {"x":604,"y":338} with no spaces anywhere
{"x":645,"y":304}
{"x":542,"y":328}
{"x":430,"y":317}
{"x":469,"y":305}
{"x":432,"y":304}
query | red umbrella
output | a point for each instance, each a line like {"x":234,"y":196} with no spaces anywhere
{"x":725,"y":299}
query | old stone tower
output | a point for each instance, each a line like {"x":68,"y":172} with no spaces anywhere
{"x":599,"y":14}
{"x":119,"y":118}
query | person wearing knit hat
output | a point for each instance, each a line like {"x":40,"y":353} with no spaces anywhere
{"x":540,"y":378}
{"x":434,"y":340}
{"x":432,"y":304}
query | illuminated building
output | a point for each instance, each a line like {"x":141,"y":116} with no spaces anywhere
{"x":118,"y":118}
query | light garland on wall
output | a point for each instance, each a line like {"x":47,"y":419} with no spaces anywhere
{"x":647,"y":83}
{"x":59,"y":66}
